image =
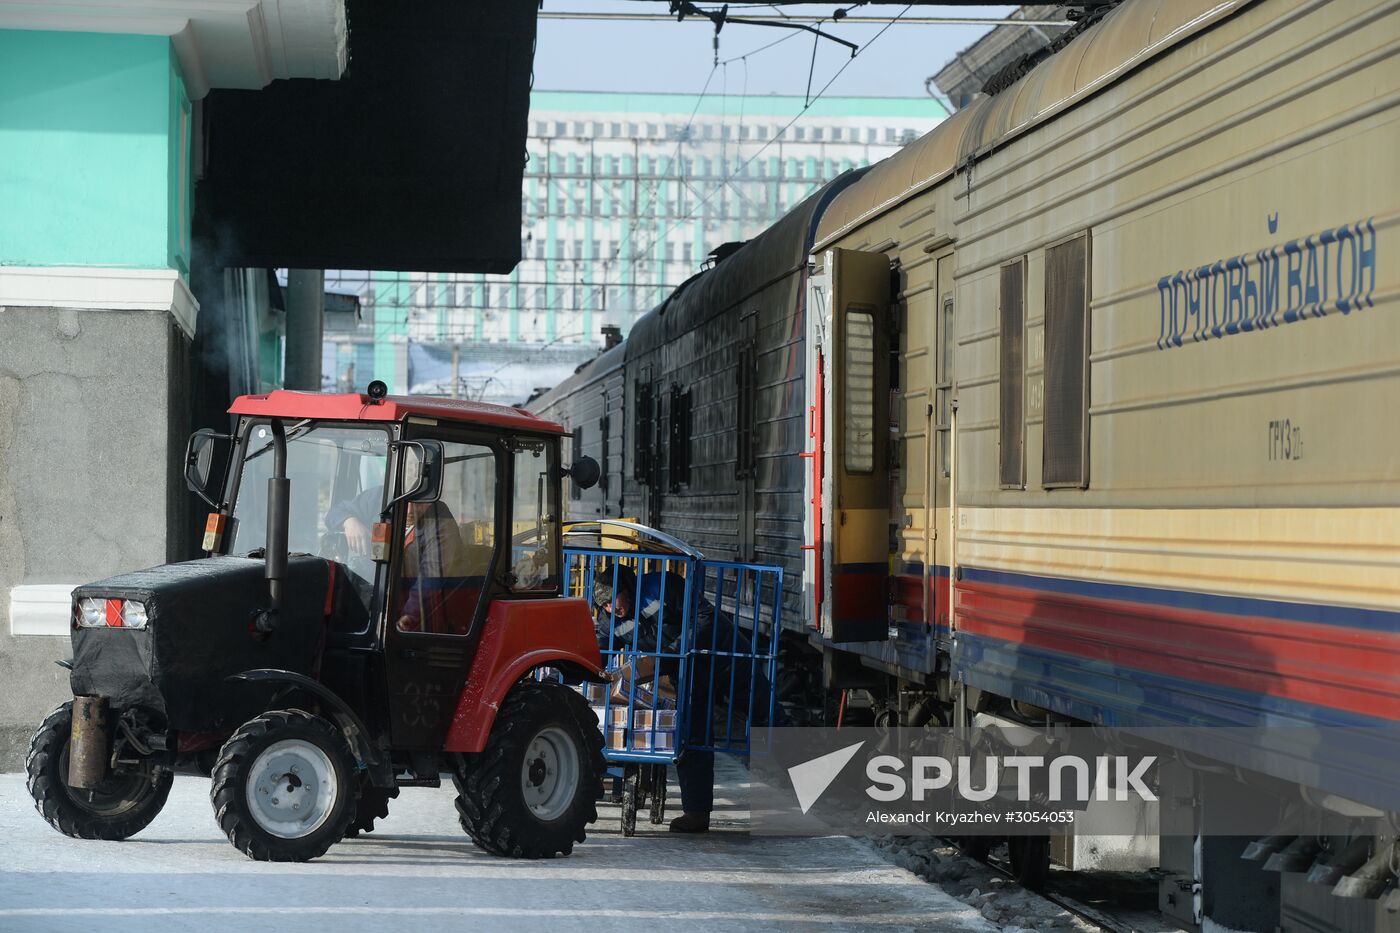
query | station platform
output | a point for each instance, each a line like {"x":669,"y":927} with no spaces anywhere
{"x":418,"y":868}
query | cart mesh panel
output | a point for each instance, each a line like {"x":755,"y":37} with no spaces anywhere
{"x":1066,"y":364}
{"x":1013,"y":320}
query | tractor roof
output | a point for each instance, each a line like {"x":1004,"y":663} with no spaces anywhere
{"x":353,"y":406}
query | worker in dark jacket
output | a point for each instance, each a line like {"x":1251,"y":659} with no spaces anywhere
{"x":646,"y":615}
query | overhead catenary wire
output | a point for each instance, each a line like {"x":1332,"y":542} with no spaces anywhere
{"x":807,"y":106}
{"x":809,"y":19}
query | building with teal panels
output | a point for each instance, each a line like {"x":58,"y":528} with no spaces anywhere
{"x":623,"y":198}
{"x":99,"y":132}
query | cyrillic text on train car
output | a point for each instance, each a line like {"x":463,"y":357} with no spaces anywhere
{"x":1331,"y":271}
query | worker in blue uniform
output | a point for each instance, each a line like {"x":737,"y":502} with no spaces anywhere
{"x":647,"y":616}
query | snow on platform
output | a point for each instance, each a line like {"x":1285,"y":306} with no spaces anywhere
{"x":418,"y":868}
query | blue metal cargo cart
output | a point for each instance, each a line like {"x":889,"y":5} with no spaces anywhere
{"x":691,"y":644}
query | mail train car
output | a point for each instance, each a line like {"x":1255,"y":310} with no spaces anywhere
{"x":1081,"y":407}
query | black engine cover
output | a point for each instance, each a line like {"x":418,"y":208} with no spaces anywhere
{"x":199,"y":632}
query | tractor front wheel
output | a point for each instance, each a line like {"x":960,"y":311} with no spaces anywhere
{"x":284,"y":787}
{"x":531,"y":792}
{"x":121,"y":806}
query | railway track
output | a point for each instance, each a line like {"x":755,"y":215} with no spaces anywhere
{"x":1083,"y":911}
{"x":1119,"y":902}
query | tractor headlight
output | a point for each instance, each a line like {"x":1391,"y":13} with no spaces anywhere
{"x":133,"y":614}
{"x":92,"y":613}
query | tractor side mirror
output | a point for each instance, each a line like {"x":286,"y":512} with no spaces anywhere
{"x":422,"y":473}
{"x":585,"y":472}
{"x":199,"y":462}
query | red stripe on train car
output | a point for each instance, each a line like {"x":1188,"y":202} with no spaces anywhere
{"x":1332,"y":666}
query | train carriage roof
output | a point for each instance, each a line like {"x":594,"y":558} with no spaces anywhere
{"x":594,"y":369}
{"x":776,"y":252}
{"x":1124,"y":39}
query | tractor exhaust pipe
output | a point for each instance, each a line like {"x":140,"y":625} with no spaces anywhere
{"x":88,"y":741}
{"x":279,"y":493}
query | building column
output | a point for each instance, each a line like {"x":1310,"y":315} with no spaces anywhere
{"x":306,"y":315}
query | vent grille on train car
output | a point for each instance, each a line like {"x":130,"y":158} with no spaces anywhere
{"x":1066,"y":364}
{"x":1013,"y":421}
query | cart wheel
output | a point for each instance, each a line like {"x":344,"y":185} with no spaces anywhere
{"x":658,"y":794}
{"x":630,"y":793}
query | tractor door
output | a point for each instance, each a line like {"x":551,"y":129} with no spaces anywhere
{"x":859,"y":444}
{"x":445,"y":562}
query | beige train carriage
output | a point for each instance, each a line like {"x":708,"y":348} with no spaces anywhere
{"x":1147,"y":397}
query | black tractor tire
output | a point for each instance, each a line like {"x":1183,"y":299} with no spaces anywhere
{"x":491,"y":798}
{"x":373,"y":805}
{"x":120,"y":807}
{"x":1030,"y":860}
{"x":238,"y":764}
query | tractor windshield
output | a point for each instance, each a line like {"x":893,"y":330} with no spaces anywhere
{"x":337,"y":489}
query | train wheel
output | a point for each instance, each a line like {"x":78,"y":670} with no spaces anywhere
{"x":1030,"y":860}
{"x":976,"y":847}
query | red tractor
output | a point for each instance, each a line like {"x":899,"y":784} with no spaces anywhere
{"x":380,"y":598}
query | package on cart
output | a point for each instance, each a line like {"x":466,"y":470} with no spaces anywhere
{"x":662,"y":720}
{"x":653,"y":741}
{"x":644,"y":697}
{"x":617,"y":738}
{"x":595,"y":694}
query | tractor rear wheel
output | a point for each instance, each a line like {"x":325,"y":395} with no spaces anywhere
{"x":284,"y":787}
{"x":534,"y":788}
{"x":121,"y":806}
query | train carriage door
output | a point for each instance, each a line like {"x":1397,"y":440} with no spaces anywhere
{"x":942,"y":353}
{"x":859,"y":445}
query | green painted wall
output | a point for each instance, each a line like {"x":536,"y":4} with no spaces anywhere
{"x":94,"y":151}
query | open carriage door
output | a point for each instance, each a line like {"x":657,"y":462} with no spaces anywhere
{"x":857,"y":445}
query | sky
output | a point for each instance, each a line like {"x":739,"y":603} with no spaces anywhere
{"x":679,"y":57}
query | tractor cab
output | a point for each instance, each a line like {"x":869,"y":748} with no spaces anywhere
{"x":382,"y":584}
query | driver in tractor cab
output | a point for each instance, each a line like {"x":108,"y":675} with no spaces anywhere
{"x":637,"y":628}
{"x":435,"y":559}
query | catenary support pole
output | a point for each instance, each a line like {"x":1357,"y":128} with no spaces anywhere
{"x":306,"y":305}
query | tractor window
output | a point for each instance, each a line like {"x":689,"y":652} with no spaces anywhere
{"x":337,"y":485}
{"x":535,"y":516}
{"x":449,"y":545}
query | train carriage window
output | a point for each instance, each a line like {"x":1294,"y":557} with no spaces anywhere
{"x":1065,"y":455}
{"x":681,"y":438}
{"x":860,"y":391}
{"x":1013,"y":421}
{"x":641,"y":433}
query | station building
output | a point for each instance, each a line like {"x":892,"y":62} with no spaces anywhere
{"x":158,"y":160}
